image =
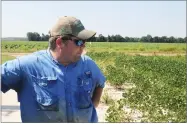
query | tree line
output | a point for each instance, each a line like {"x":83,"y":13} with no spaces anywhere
{"x":34,"y":36}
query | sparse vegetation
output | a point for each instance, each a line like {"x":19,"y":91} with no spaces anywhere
{"x":106,"y":98}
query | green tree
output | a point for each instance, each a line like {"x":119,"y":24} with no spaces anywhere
{"x":172,"y":39}
{"x":101,"y":38}
{"x":149,"y":38}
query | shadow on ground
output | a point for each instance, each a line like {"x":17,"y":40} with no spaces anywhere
{"x":6,"y":110}
{"x":9,"y":107}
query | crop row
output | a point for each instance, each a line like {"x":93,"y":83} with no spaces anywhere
{"x":99,"y":47}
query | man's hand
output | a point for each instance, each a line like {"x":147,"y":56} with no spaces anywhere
{"x":96,"y":96}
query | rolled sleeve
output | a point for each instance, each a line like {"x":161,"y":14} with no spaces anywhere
{"x":98,"y":76}
{"x":10,"y":75}
{"x":100,"y":79}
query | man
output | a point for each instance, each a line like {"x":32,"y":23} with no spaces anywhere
{"x":58,"y":84}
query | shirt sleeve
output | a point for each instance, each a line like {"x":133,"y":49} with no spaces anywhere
{"x":10,"y":76}
{"x":97,"y":75}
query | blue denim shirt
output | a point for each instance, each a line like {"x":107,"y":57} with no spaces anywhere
{"x":50,"y":92}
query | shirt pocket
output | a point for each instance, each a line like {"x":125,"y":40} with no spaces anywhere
{"x":45,"y":90}
{"x":83,"y":94}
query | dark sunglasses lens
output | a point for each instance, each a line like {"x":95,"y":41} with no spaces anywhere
{"x":79,"y":42}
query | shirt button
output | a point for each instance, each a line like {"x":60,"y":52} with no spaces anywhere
{"x":69,"y":103}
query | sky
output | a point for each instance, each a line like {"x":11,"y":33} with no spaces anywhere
{"x":126,"y":18}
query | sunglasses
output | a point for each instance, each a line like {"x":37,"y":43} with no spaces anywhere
{"x":79,"y":42}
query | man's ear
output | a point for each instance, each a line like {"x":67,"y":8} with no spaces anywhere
{"x":59,"y":42}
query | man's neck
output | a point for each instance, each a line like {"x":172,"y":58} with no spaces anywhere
{"x":56,"y":56}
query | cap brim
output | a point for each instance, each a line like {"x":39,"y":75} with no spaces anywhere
{"x":86,"y":34}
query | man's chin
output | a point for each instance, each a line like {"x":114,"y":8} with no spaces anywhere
{"x":77,"y":59}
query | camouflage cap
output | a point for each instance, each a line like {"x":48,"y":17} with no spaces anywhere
{"x":72,"y":26}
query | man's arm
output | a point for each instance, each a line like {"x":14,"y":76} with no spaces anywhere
{"x":99,"y":79}
{"x":96,"y":96}
{"x":10,"y":75}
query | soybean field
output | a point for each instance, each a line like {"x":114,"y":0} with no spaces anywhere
{"x":154,"y":72}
